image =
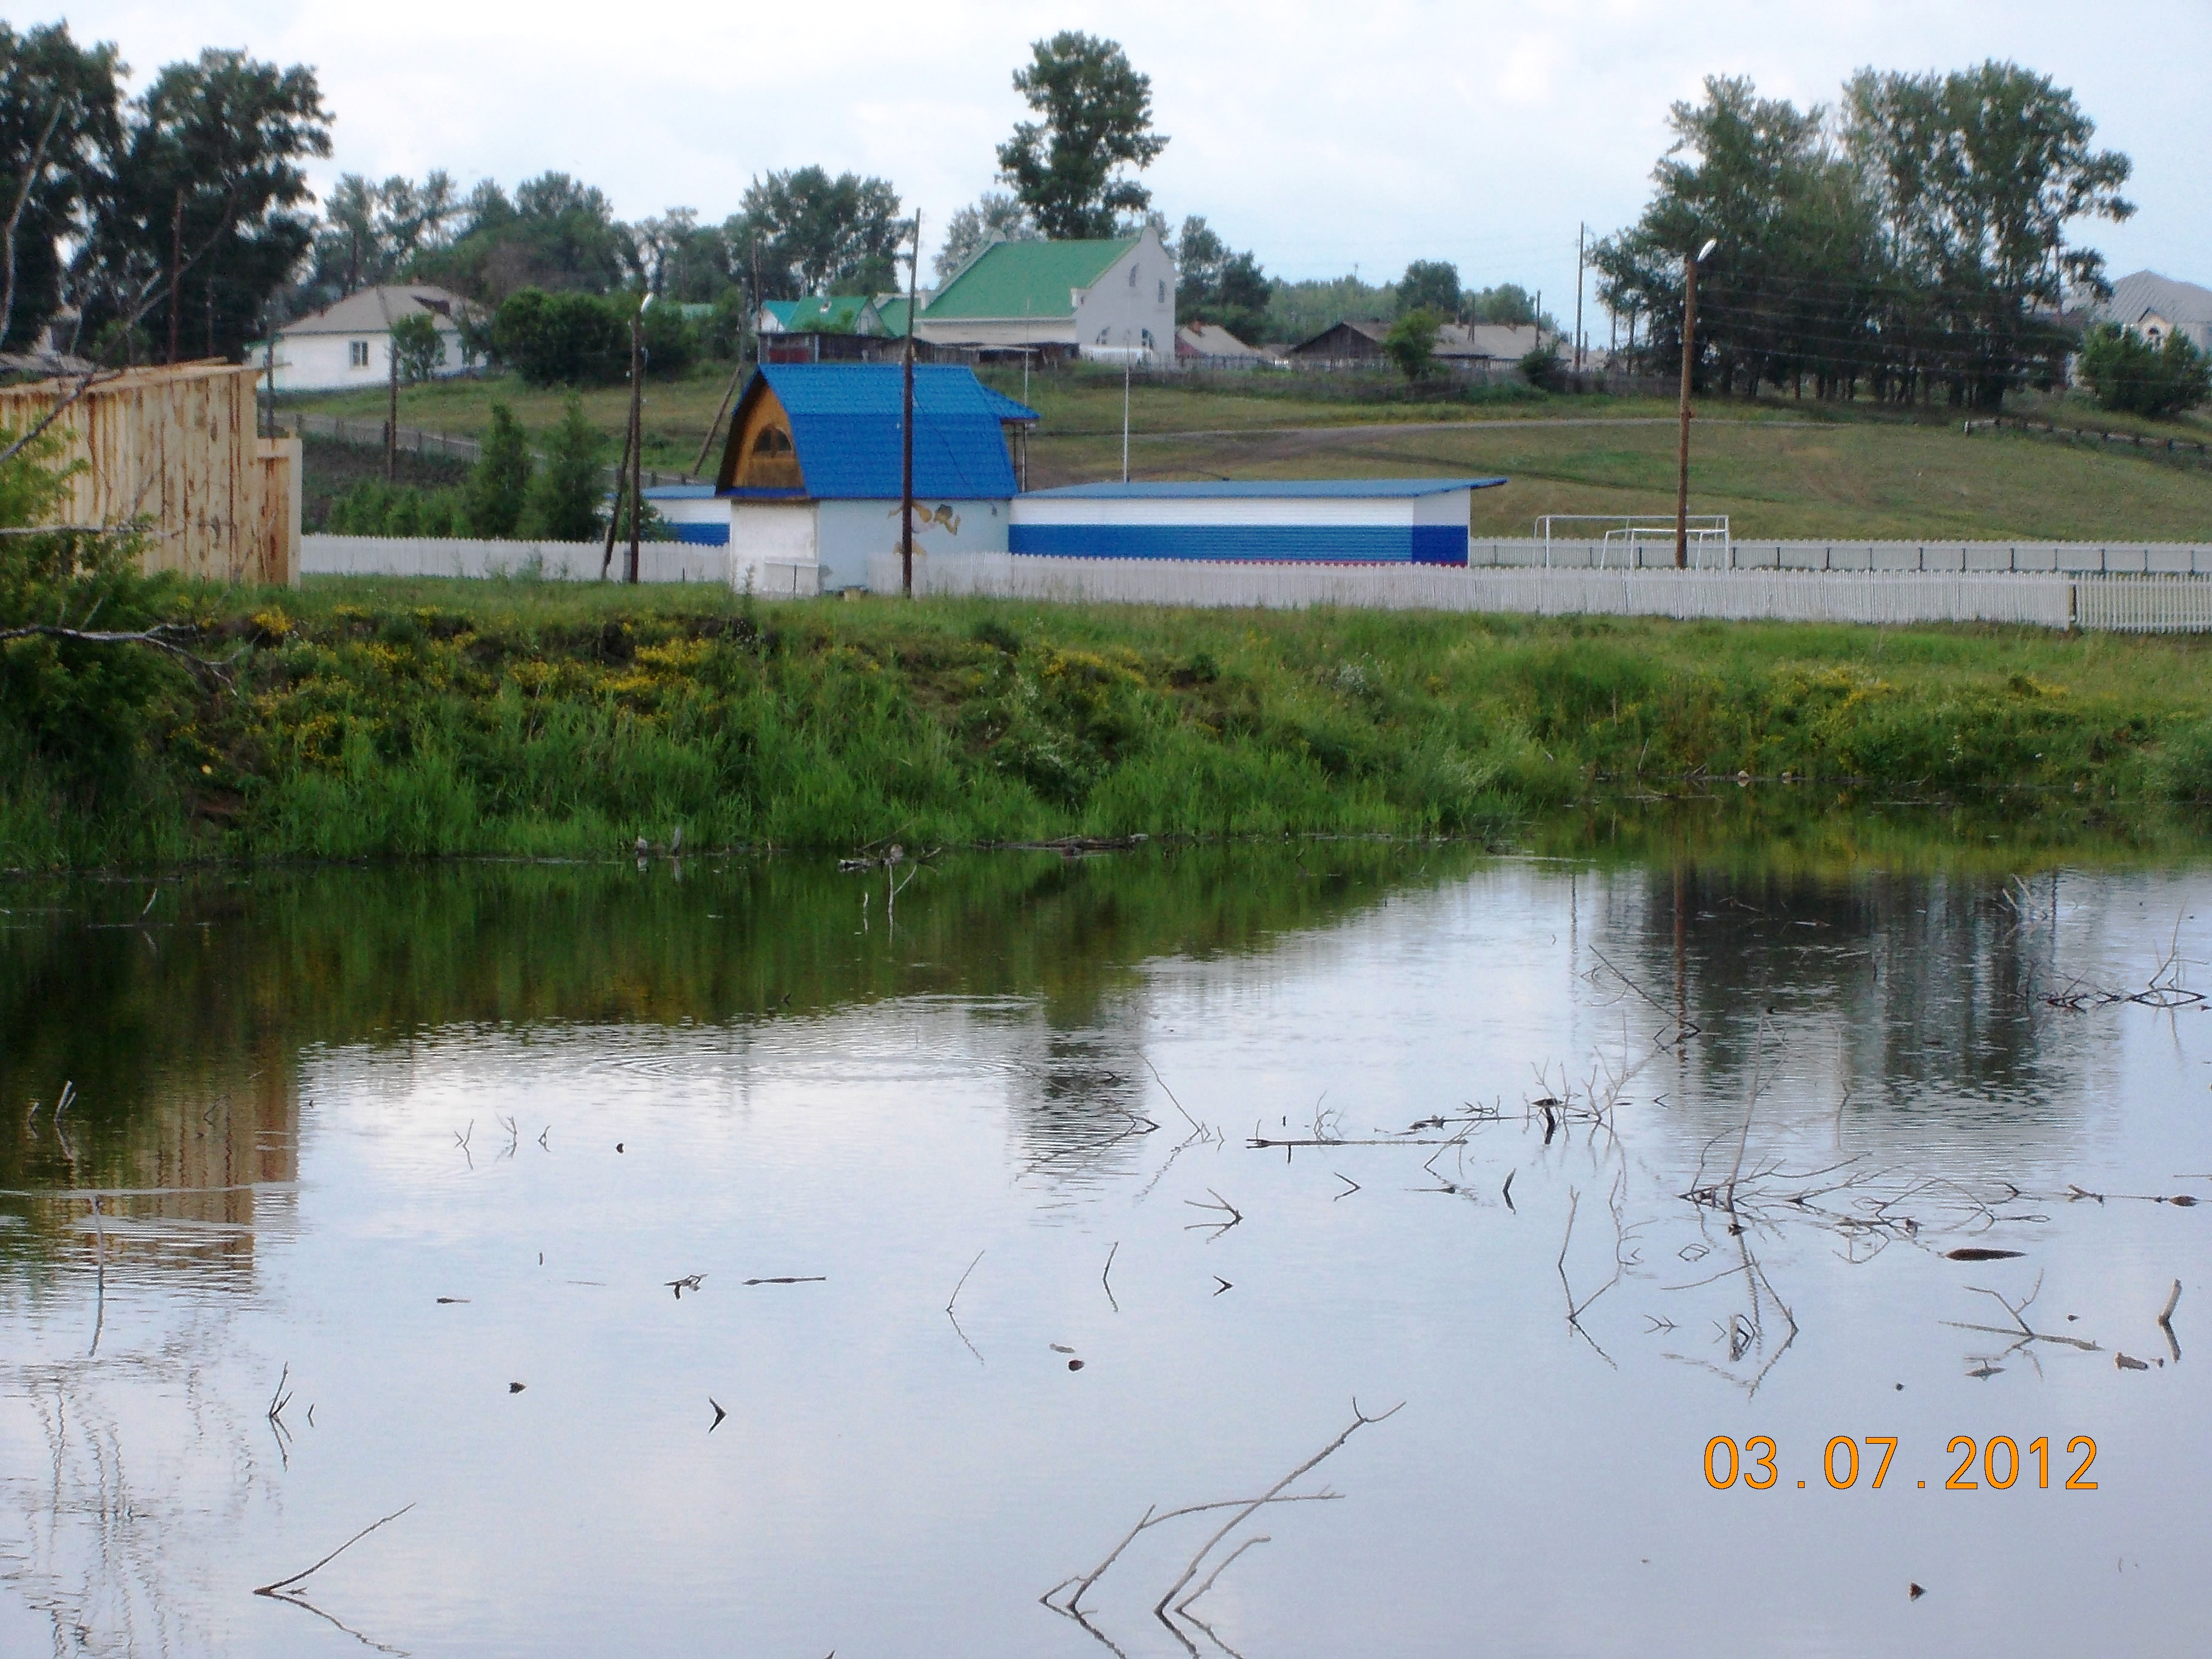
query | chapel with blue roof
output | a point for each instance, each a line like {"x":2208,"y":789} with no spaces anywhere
{"x":812,"y":469}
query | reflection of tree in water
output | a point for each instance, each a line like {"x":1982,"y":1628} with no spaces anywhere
{"x":1912,"y":995}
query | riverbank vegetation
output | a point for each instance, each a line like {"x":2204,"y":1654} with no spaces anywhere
{"x":380,"y":718}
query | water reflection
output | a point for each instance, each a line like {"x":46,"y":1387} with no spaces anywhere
{"x":1585,"y":1161}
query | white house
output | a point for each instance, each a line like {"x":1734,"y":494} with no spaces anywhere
{"x":1112,"y":299}
{"x":350,"y":343}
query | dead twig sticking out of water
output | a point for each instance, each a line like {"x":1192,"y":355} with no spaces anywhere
{"x":462,"y":1141}
{"x":1168,"y":1608}
{"x":2165,"y":1320}
{"x":2021,"y":1330}
{"x":287,"y":1589}
{"x":1213,"y":1230}
{"x":688,"y":1282}
{"x":1106,"y":1274}
{"x":954,"y":1318}
{"x":1171,"y":1094}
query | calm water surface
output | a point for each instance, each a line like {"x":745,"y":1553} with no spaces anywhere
{"x":488,"y":1179}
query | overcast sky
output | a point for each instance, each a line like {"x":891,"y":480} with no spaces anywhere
{"x":1321,"y":136}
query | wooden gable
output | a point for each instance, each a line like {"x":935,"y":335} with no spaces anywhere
{"x":760,"y":453}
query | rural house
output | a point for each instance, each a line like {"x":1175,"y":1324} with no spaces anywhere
{"x":1472,"y":346}
{"x":1112,"y":299}
{"x":812,"y":469}
{"x":350,"y":343}
{"x":2155,"y":305}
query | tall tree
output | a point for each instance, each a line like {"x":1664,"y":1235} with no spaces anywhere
{"x":195,"y":223}
{"x":1430,"y":284}
{"x":372,"y":233}
{"x":1976,"y":175}
{"x":60,"y":120}
{"x":992,"y":217}
{"x":1217,"y":286}
{"x":554,"y":232}
{"x":817,"y":235}
{"x":1097,"y":114}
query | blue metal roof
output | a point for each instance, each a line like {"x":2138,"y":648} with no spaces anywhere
{"x":679,"y":492}
{"x":845,"y":426}
{"x":1291,"y":489}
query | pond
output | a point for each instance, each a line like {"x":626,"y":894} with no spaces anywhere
{"x":753,"y":1256}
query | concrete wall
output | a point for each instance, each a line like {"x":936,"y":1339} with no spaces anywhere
{"x":850,"y":534}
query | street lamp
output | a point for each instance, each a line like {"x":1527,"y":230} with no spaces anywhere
{"x":1689,"y":353}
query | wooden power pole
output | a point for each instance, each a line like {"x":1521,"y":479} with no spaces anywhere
{"x":636,"y":481}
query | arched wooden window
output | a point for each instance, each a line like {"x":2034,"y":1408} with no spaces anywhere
{"x":774,"y":440}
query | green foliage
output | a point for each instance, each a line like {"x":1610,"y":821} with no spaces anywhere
{"x":207,"y":162}
{"x":373,"y":508}
{"x":992,"y":217}
{"x":812,"y":234}
{"x":568,"y":500}
{"x":384,"y":718}
{"x":555,"y":234}
{"x":372,"y":233}
{"x":1214,"y":285}
{"x":416,"y":347}
{"x":1430,"y":285}
{"x":671,"y":343}
{"x":1411,"y":343}
{"x":1508,"y":303}
{"x":60,"y":117}
{"x":1913,"y":243}
{"x":572,"y":339}
{"x":1097,"y":114}
{"x":1542,"y":367}
{"x":1298,"y":311}
{"x":2131,"y":374}
{"x":498,"y":487}
{"x":86,"y":718}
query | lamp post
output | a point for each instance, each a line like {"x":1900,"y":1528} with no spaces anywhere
{"x":1690,"y":264}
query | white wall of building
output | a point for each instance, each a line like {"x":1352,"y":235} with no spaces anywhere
{"x":852,"y":532}
{"x":325,"y":362}
{"x":765,"y":533}
{"x":1131,"y":307}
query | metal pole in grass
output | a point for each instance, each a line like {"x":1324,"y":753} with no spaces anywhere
{"x":1125,"y":405}
{"x":1690,"y":264}
{"x":906,"y":422}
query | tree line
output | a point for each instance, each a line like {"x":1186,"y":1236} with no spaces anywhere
{"x":1907,"y":244}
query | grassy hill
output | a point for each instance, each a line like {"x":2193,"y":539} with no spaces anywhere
{"x":1778,"y":468}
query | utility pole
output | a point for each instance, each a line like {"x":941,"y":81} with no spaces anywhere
{"x":906,"y":421}
{"x":1690,"y":264}
{"x":390,"y":408}
{"x":1125,"y":405}
{"x":636,"y":436}
{"x":1580,"y":231}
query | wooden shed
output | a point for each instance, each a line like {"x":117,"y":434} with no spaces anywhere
{"x":180,"y":447}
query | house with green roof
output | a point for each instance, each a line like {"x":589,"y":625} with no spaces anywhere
{"x":1111,"y":299}
{"x":821,"y":313}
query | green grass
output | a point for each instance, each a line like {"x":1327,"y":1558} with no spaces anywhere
{"x":1779,"y":468}
{"x":408,"y":719}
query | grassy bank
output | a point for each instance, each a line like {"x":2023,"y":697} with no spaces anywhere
{"x":382,"y":718}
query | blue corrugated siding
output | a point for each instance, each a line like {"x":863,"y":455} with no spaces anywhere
{"x":1260,"y":544}
{"x":703,"y":535}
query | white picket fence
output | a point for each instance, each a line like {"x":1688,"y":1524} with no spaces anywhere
{"x":2137,"y":603}
{"x":572,"y":562}
{"x":1958,"y":558}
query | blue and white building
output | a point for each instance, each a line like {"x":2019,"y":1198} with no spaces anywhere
{"x":811,"y":480}
{"x":1330,"y":521}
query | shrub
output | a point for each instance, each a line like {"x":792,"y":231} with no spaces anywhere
{"x":566,"y":500}
{"x":1412,"y":342}
{"x":2129,"y":374}
{"x":498,"y":487}
{"x":1540,"y":366}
